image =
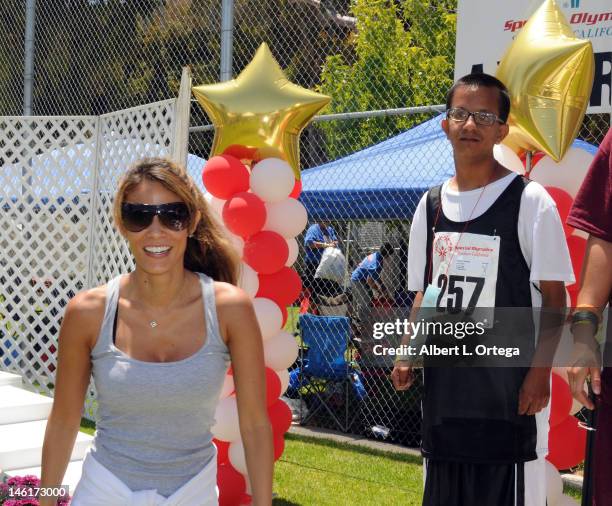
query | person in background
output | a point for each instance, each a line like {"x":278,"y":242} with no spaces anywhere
{"x":592,"y":213}
{"x":365,"y":279}
{"x":320,"y":235}
{"x":158,"y":342}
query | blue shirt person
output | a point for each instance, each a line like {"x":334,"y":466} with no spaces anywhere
{"x":366,"y":277}
{"x":319,"y":236}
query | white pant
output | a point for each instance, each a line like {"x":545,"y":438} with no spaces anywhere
{"x":99,"y":487}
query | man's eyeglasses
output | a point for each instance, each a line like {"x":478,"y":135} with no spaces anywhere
{"x":460,"y":115}
{"x":137,"y":217}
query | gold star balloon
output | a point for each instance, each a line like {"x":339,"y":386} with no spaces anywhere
{"x":549,"y":73}
{"x":260,"y":113}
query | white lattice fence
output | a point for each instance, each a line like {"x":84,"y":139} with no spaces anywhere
{"x":57,"y":179}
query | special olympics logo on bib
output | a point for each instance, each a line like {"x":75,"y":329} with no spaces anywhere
{"x":443,"y":246}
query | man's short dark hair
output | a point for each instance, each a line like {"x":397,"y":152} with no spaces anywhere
{"x":486,"y":81}
{"x":386,"y":249}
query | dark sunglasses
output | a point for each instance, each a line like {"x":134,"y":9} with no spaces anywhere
{"x":460,"y":115}
{"x":137,"y":217}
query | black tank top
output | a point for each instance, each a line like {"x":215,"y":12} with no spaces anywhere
{"x":470,"y":414}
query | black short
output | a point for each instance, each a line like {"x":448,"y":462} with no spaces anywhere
{"x":465,"y":484}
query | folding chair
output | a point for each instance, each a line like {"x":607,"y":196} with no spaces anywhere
{"x":326,"y":371}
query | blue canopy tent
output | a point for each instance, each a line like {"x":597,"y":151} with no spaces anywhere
{"x":381,"y":182}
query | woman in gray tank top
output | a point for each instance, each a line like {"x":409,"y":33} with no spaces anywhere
{"x":158,"y":342}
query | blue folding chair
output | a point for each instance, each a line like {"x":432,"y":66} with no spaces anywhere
{"x":326,"y":367}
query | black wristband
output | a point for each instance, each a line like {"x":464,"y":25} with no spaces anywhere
{"x":585,"y":316}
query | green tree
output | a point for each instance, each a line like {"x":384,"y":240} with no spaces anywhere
{"x":403,"y":57}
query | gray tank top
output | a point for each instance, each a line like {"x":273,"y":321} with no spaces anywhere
{"x":154,"y":418}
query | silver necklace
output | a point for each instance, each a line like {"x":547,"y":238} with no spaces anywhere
{"x":153,"y":324}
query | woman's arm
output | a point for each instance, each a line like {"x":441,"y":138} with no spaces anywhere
{"x":595,"y":288}
{"x":238,"y":321}
{"x":83,"y":314}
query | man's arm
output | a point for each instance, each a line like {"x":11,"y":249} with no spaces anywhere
{"x":595,"y":287}
{"x":535,"y":390}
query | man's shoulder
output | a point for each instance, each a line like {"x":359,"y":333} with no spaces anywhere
{"x":534,"y":194}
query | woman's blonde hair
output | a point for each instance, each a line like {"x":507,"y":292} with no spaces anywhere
{"x":208,"y":249}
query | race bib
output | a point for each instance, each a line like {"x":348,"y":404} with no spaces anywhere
{"x":466,"y":273}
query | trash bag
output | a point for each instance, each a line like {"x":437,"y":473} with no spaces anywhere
{"x":332,"y":265}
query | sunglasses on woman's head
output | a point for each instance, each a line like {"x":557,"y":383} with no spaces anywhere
{"x":137,"y":217}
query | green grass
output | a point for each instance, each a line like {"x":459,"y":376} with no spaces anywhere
{"x":291,"y":324}
{"x":318,"y":472}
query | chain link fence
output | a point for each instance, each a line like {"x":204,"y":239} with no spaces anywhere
{"x":97,"y":56}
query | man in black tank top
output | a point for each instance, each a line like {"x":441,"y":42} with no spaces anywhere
{"x":471,"y":252}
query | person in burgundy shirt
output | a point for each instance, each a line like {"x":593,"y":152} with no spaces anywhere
{"x":592,"y":212}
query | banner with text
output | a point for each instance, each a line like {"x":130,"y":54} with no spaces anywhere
{"x":486,"y":28}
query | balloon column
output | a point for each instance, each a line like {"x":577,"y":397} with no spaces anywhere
{"x":253,"y":183}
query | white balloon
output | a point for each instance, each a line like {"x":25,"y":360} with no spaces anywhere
{"x":226,"y":426}
{"x":508,"y":158}
{"x":236,"y":457}
{"x":269,"y":317}
{"x":215,"y":203}
{"x":248,"y":280}
{"x":283,"y":374}
{"x":280,"y":351}
{"x":237,"y":243}
{"x":554,"y":484}
{"x":287,"y":218}
{"x":272,"y":180}
{"x":567,"y":174}
{"x":294,"y":251}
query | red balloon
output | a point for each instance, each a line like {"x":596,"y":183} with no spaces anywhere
{"x":279,"y":446}
{"x":280,"y":417}
{"x":240,"y":152}
{"x":573,"y":293}
{"x":285,"y":315}
{"x":231,"y":485}
{"x":222,"y":449}
{"x":224,"y":175}
{"x":266,"y":252}
{"x":297,"y":189}
{"x":244,"y":214}
{"x":564,"y":203}
{"x":283,"y":287}
{"x":273,"y":386}
{"x":561,"y":400}
{"x":246,"y":499}
{"x":566,"y":444}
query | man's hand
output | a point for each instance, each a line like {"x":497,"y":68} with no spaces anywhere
{"x":402,"y":375}
{"x":577,"y":377}
{"x":535,"y":391}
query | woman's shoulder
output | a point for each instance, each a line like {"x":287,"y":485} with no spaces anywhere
{"x":228,"y":295}
{"x":88,"y":306}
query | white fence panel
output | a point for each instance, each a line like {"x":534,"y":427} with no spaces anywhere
{"x":57,"y":179}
